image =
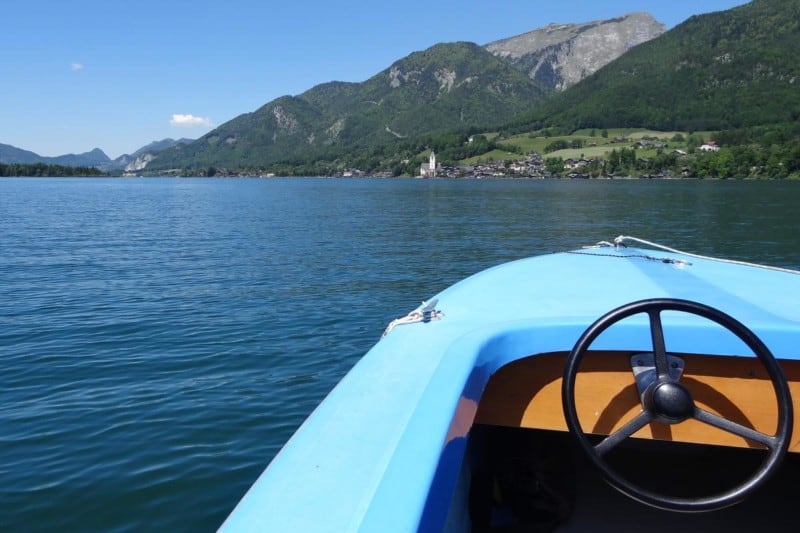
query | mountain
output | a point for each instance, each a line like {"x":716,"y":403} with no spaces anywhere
{"x":560,"y":55}
{"x":153,"y":147}
{"x":448,"y":87}
{"x":139,"y":159}
{"x":10,"y":154}
{"x":95,"y":158}
{"x":454,"y":86}
{"x":732,"y":69}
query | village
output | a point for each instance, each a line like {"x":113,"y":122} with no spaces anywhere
{"x":531,"y":166}
{"x":534,"y":165}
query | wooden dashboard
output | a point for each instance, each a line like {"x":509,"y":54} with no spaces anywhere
{"x":527,"y":393}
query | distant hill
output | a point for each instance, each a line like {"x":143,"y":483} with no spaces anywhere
{"x":731,"y":69}
{"x":11,"y":154}
{"x":447,"y":87}
{"x":95,"y":158}
{"x":560,"y":55}
{"x":155,"y":146}
{"x":139,"y":159}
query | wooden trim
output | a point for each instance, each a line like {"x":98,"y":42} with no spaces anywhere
{"x":527,"y":393}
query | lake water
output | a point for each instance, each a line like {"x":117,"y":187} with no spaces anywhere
{"x":160,"y":339}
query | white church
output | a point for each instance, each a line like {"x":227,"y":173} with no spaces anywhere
{"x":429,"y":170}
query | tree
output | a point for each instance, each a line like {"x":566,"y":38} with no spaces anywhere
{"x":554,"y":165}
{"x":560,"y":144}
{"x":613,"y":162}
{"x":694,"y":142}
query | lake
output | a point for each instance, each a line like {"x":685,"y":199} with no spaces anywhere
{"x":160,"y":339}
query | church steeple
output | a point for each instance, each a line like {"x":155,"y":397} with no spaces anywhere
{"x":429,"y":170}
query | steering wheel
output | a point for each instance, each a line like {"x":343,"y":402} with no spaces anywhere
{"x":668,"y":401}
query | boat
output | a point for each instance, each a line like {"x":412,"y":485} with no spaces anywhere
{"x":619,"y":386}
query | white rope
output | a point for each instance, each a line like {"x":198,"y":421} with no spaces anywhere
{"x":620,"y":241}
{"x":425,"y":313}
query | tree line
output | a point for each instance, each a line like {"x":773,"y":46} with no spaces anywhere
{"x":749,"y":161}
{"x":37,"y":170}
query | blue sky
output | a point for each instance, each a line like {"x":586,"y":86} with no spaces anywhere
{"x":118,"y":74}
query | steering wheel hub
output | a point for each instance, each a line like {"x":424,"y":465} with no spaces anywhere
{"x":671,"y":402}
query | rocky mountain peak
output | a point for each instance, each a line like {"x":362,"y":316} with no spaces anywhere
{"x":560,"y":55}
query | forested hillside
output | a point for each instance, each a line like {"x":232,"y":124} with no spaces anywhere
{"x":732,"y":69}
{"x":449,"y":87}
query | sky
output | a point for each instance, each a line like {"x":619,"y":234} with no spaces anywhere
{"x":118,"y":74}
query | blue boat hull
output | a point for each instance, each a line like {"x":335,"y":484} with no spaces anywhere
{"x":385,"y":450}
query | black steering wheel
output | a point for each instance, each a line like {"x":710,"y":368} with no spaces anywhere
{"x":668,"y":401}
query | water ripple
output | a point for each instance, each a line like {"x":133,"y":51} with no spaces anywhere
{"x":161,"y":339}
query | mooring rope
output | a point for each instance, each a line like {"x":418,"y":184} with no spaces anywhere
{"x":425,"y":313}
{"x":622,"y":239}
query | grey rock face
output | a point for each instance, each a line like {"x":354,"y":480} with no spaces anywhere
{"x":140,"y":163}
{"x":560,"y":55}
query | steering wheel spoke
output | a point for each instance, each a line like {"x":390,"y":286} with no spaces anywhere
{"x":631,"y":427}
{"x":659,"y":345}
{"x":735,"y":428}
